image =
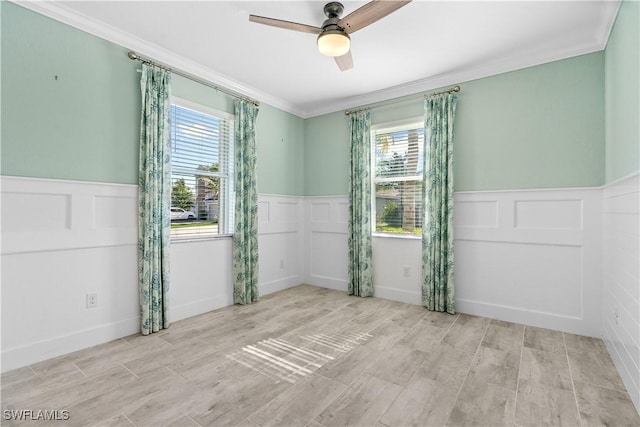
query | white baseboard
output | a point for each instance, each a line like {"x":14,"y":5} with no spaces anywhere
{"x":196,"y":308}
{"x":279,"y":285}
{"x":526,"y":317}
{"x":525,"y":256}
{"x":399,"y":295}
{"x":34,"y":352}
{"x":330,"y":284}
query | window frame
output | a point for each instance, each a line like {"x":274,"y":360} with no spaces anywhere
{"x":226,"y":214}
{"x":389,"y":127}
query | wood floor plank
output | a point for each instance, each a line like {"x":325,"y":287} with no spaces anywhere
{"x":241,"y":400}
{"x":423,"y":402}
{"x":496,"y":367}
{"x":310,"y":356}
{"x":595,"y":369}
{"x":483,"y":404}
{"x":301,"y":402}
{"x":65,"y":395}
{"x":503,"y":338}
{"x":600,"y":406}
{"x":398,"y":364}
{"x":544,"y":339}
{"x":123,"y":398}
{"x":362,"y":404}
{"x":544,"y":405}
{"x":467,"y":332}
{"x":544,"y":367}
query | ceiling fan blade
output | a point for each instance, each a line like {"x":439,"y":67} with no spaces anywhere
{"x":285,"y":24}
{"x":370,"y":13}
{"x":345,"y":62}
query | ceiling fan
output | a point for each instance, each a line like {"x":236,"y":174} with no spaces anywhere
{"x":333,"y":36}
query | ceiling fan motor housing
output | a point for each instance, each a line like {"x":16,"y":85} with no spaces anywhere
{"x":336,"y":40}
{"x":333,"y":9}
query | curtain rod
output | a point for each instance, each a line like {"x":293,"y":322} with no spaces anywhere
{"x":134,"y":56}
{"x":382,"y":104}
{"x":451,"y":89}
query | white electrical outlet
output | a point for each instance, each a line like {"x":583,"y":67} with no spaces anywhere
{"x":406,"y":271}
{"x":92,"y":300}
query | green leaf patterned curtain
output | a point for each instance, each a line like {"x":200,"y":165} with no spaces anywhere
{"x":437,"y":231}
{"x":154,"y":198}
{"x":360,"y":276}
{"x":245,"y":231}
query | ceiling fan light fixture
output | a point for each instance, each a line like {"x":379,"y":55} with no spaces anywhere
{"x":334,"y":43}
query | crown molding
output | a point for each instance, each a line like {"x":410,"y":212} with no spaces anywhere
{"x":60,"y":13}
{"x":603,"y":32}
{"x":453,"y":78}
{"x":99,"y":29}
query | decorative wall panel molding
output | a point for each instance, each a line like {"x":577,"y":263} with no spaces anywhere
{"x":62,"y":240}
{"x":527,"y":256}
{"x":530,"y":256}
{"x":325,"y":242}
{"x":280,"y":229}
{"x":47,"y":215}
{"x":621,"y":279}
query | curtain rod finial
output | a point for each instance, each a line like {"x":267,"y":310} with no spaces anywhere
{"x":132,"y":55}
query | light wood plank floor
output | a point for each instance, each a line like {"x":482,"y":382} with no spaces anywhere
{"x":316,"y":357}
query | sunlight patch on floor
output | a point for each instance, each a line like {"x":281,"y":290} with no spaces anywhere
{"x":285,"y":361}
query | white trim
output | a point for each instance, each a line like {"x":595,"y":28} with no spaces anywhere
{"x":59,"y":12}
{"x":527,"y":190}
{"x":199,"y":108}
{"x":397,"y":236}
{"x":432,"y":83}
{"x":62,"y":181}
{"x":621,"y":269}
{"x":400,"y":295}
{"x":389,"y":127}
{"x":196,"y":308}
{"x":607,"y":26}
{"x":397,"y":125}
{"x":624,"y":178}
{"x":16,"y":357}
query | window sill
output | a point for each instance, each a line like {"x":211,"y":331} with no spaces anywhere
{"x":398,"y":236}
{"x":200,"y":239}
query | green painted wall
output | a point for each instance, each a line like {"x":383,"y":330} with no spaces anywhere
{"x":70,"y":102}
{"x":622,"y":83}
{"x":279,"y":138}
{"x":326,"y":155}
{"x":70,"y":109}
{"x":280,"y":145}
{"x":540,"y":127}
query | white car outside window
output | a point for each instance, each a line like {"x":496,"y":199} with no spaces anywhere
{"x":179,"y":213}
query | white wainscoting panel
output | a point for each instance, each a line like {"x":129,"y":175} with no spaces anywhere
{"x":530,"y":256}
{"x":537,"y":263}
{"x":621,"y":279}
{"x":62,"y":240}
{"x":200,"y":278}
{"x":325,"y":242}
{"x":391,"y":256}
{"x":280,"y":229}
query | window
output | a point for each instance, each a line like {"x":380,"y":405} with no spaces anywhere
{"x":201,"y":171}
{"x":397,"y":165}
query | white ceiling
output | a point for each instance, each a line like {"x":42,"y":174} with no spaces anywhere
{"x":422,"y":46}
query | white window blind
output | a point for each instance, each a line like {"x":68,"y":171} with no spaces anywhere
{"x":397,"y":163}
{"x":201,"y":171}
